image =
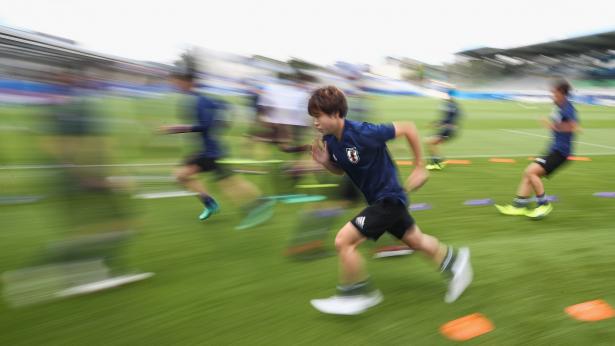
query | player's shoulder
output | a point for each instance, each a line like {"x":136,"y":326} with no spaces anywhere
{"x":203,"y":99}
{"x":207,"y":102}
{"x":364,"y":127}
{"x":199,"y":98}
{"x":568,"y":109}
{"x":451,"y":105}
{"x":370,"y":134}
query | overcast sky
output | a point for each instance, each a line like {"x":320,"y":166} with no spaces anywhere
{"x":322,"y":31}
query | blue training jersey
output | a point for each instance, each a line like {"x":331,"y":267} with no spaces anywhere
{"x":205,"y":111}
{"x":451,"y":113}
{"x":562,"y":141}
{"x":363,"y":155}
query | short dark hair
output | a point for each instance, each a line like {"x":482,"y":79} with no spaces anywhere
{"x":561,"y":85}
{"x":328,"y":100}
{"x":184,"y":73}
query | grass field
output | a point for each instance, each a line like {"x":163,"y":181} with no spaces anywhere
{"x":218,"y":286}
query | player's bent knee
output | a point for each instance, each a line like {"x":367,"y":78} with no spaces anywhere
{"x":342,"y":244}
{"x":348,"y":238}
{"x":339,"y":244}
{"x":432,"y":141}
{"x":529,"y":172}
{"x":181,"y":176}
{"x":413,"y":238}
{"x":534,"y":170}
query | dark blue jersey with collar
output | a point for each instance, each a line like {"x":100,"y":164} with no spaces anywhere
{"x":562,"y":141}
{"x":205,"y":112}
{"x":363,"y":155}
{"x":450,"y":112}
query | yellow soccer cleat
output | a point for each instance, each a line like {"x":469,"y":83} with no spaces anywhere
{"x":512,"y":210}
{"x":540,"y":212}
{"x":434,"y":166}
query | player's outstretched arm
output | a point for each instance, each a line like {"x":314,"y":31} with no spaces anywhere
{"x":546,"y":122}
{"x":564,"y":126}
{"x":419,"y":175}
{"x":568,"y":126}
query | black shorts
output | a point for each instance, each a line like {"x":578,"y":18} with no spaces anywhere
{"x":551,"y":161}
{"x":446,"y":133}
{"x":386,"y":215}
{"x":208,"y":164}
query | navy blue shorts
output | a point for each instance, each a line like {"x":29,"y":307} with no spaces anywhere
{"x":208,"y":164}
{"x":446,"y":133}
{"x":551,"y":161}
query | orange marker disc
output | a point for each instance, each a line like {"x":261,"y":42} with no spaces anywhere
{"x":594,"y":310}
{"x":467,"y":327}
{"x":458,"y":162}
{"x":502,"y":160}
{"x":579,"y":158}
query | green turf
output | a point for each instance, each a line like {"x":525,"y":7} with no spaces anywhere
{"x":218,"y":286}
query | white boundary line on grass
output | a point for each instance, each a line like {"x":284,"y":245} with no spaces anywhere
{"x":504,"y":155}
{"x":17,"y":167}
{"x":164,"y":194}
{"x":543,"y":136}
{"x":28,"y":167}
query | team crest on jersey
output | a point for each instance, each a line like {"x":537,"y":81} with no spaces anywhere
{"x":353,"y":155}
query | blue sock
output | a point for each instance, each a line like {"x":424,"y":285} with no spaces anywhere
{"x":446,"y":266}
{"x":359,"y":288}
{"x":207,"y":200}
{"x":521,"y":201}
{"x":541,"y":199}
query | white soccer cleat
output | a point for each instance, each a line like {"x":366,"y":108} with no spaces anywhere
{"x":462,"y":275}
{"x":347,"y":305}
{"x":103,"y":284}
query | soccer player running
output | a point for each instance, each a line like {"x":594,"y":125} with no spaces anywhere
{"x":447,"y":128}
{"x":204,"y":111}
{"x":563,"y":125}
{"x":359,"y":150}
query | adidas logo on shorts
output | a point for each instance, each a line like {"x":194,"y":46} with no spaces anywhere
{"x":360,"y":221}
